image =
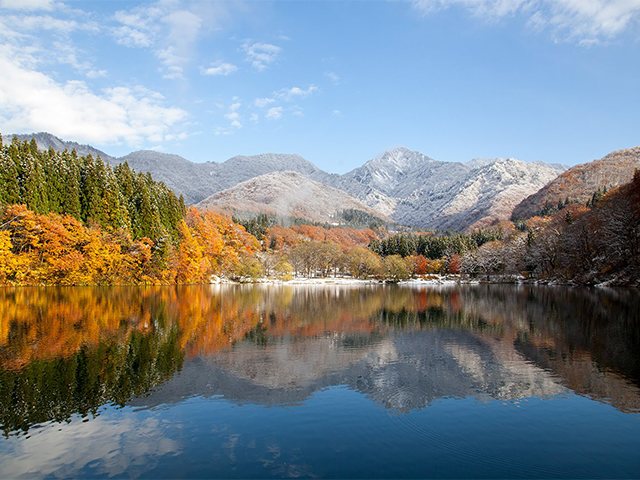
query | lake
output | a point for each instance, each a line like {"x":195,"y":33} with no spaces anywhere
{"x":371,"y":381}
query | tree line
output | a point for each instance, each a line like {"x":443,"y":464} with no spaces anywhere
{"x":434,"y":246}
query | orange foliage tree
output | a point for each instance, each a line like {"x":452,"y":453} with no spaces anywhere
{"x":52,"y":249}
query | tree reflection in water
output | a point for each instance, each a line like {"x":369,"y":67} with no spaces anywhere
{"x":66,"y":351}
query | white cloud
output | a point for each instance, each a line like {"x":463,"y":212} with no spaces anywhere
{"x":137,"y":29}
{"x":233,"y":115}
{"x":31,"y":101}
{"x":274,"y":113}
{"x":336,"y":113}
{"x":131,"y":37}
{"x":485,"y":8}
{"x":292,"y":93}
{"x":184,"y":27}
{"x":254,"y":117}
{"x":173,"y":72}
{"x":260,"y":55}
{"x":333,"y":77}
{"x":171,"y":32}
{"x":44,"y":40}
{"x":67,"y":53}
{"x":96,"y":73}
{"x":111,"y":446}
{"x":47,"y":22}
{"x":219,"y":69}
{"x":222,"y":131}
{"x":285,"y":94}
{"x":263,"y":102}
{"x":27,"y":4}
{"x":582,"y":21}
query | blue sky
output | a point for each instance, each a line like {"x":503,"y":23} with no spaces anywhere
{"x":337,"y":82}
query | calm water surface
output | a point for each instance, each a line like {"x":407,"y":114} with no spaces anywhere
{"x":325,"y":381}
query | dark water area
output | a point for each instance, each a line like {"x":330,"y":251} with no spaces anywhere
{"x":320,"y":381}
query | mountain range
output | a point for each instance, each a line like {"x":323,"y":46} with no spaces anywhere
{"x":403,"y":185}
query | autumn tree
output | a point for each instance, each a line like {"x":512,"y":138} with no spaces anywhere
{"x":394,"y":268}
{"x":363,"y":263}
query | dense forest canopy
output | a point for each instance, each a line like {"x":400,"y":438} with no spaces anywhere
{"x":88,"y":190}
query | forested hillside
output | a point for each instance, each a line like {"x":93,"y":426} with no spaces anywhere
{"x":581,"y":183}
{"x":594,"y":244}
{"x":76,"y":221}
{"x":88,"y":190}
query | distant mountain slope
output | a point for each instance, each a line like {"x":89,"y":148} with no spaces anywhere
{"x":285,"y":194}
{"x":192,"y":180}
{"x":46,"y":140}
{"x":414,"y":189}
{"x":196,"y":181}
{"x":579,"y":183}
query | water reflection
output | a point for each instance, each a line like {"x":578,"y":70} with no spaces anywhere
{"x":66,"y":351}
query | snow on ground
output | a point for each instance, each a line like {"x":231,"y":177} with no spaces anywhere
{"x":431,"y":280}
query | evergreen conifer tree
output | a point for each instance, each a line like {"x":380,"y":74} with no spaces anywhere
{"x":70,"y":198}
{"x":33,"y":188}
{"x":9,"y":187}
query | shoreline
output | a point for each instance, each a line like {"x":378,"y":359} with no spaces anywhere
{"x":431,"y":280}
{"x":347,"y":281}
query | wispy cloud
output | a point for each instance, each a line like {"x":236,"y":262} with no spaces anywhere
{"x":333,"y":77}
{"x":170,"y":29}
{"x":137,"y":28}
{"x":94,"y":73}
{"x":584,"y":22}
{"x":289,"y":95}
{"x":274,"y":113}
{"x":29,"y":5}
{"x":183,"y":28}
{"x":45,"y":40}
{"x":219,"y":69}
{"x":261,"y":55}
{"x":293,"y":93}
{"x":233,"y":115}
{"x":263,"y":102}
{"x":38,"y":23}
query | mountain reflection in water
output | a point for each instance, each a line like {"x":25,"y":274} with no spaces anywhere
{"x":70,"y":350}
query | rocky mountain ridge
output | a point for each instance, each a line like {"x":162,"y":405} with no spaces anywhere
{"x":414,"y":189}
{"x":404,"y":185}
